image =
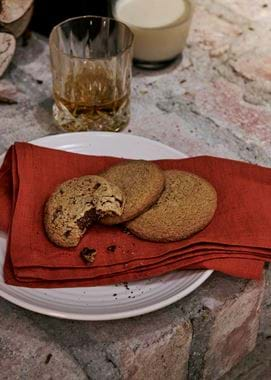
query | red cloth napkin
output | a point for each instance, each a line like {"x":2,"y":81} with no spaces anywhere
{"x":236,"y":242}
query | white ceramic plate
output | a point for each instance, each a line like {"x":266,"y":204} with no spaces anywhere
{"x":105,"y":302}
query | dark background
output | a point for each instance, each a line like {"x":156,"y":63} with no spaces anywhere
{"x":48,"y":13}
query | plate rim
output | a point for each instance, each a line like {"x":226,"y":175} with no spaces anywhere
{"x":109,"y":135}
{"x":204,"y":274}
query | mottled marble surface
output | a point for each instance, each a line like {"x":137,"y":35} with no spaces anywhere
{"x":214,"y":101}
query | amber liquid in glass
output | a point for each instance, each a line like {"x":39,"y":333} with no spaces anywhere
{"x":91,"y":100}
{"x":111,"y":115}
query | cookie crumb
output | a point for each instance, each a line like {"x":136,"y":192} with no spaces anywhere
{"x":48,"y":358}
{"x":126,"y":231}
{"x":88,"y":254}
{"x":111,"y":248}
{"x":126,"y":285}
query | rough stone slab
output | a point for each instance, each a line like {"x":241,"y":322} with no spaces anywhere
{"x":255,"y":66}
{"x":210,"y":32}
{"x":251,"y":10}
{"x":28,"y":353}
{"x":257,"y":365}
{"x":155,"y":346}
{"x":226,"y":329}
{"x":179,"y":342}
{"x":222,"y":102}
{"x":164,"y":103}
{"x":159,"y":356}
{"x":234,"y":332}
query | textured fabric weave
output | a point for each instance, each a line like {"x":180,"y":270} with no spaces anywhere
{"x":236,"y":242}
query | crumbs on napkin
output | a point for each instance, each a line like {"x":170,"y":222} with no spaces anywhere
{"x":111,"y":248}
{"x":88,"y":255}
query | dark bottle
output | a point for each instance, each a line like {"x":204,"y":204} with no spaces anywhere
{"x":51,"y":12}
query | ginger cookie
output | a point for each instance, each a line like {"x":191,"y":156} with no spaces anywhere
{"x":186,"y":206}
{"x":142,"y":183}
{"x":76,"y":204}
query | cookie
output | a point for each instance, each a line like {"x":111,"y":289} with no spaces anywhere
{"x":142,"y":183}
{"x":186,"y":206}
{"x":76,"y":204}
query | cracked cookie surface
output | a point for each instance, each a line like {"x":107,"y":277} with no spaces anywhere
{"x":76,"y":204}
{"x":186,"y":206}
{"x":142,"y":183}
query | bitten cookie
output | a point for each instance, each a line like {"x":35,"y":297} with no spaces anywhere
{"x":76,"y":204}
{"x":186,"y":206}
{"x":142,"y":183}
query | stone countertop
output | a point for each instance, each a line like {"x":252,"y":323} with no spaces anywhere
{"x":215,"y":101}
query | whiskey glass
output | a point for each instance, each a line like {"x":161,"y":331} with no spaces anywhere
{"x":91,"y":59}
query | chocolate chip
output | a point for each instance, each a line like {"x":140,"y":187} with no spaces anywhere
{"x":67,"y":233}
{"x":111,"y":248}
{"x":97,"y":186}
{"x":87,"y":220}
{"x":88,"y":254}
